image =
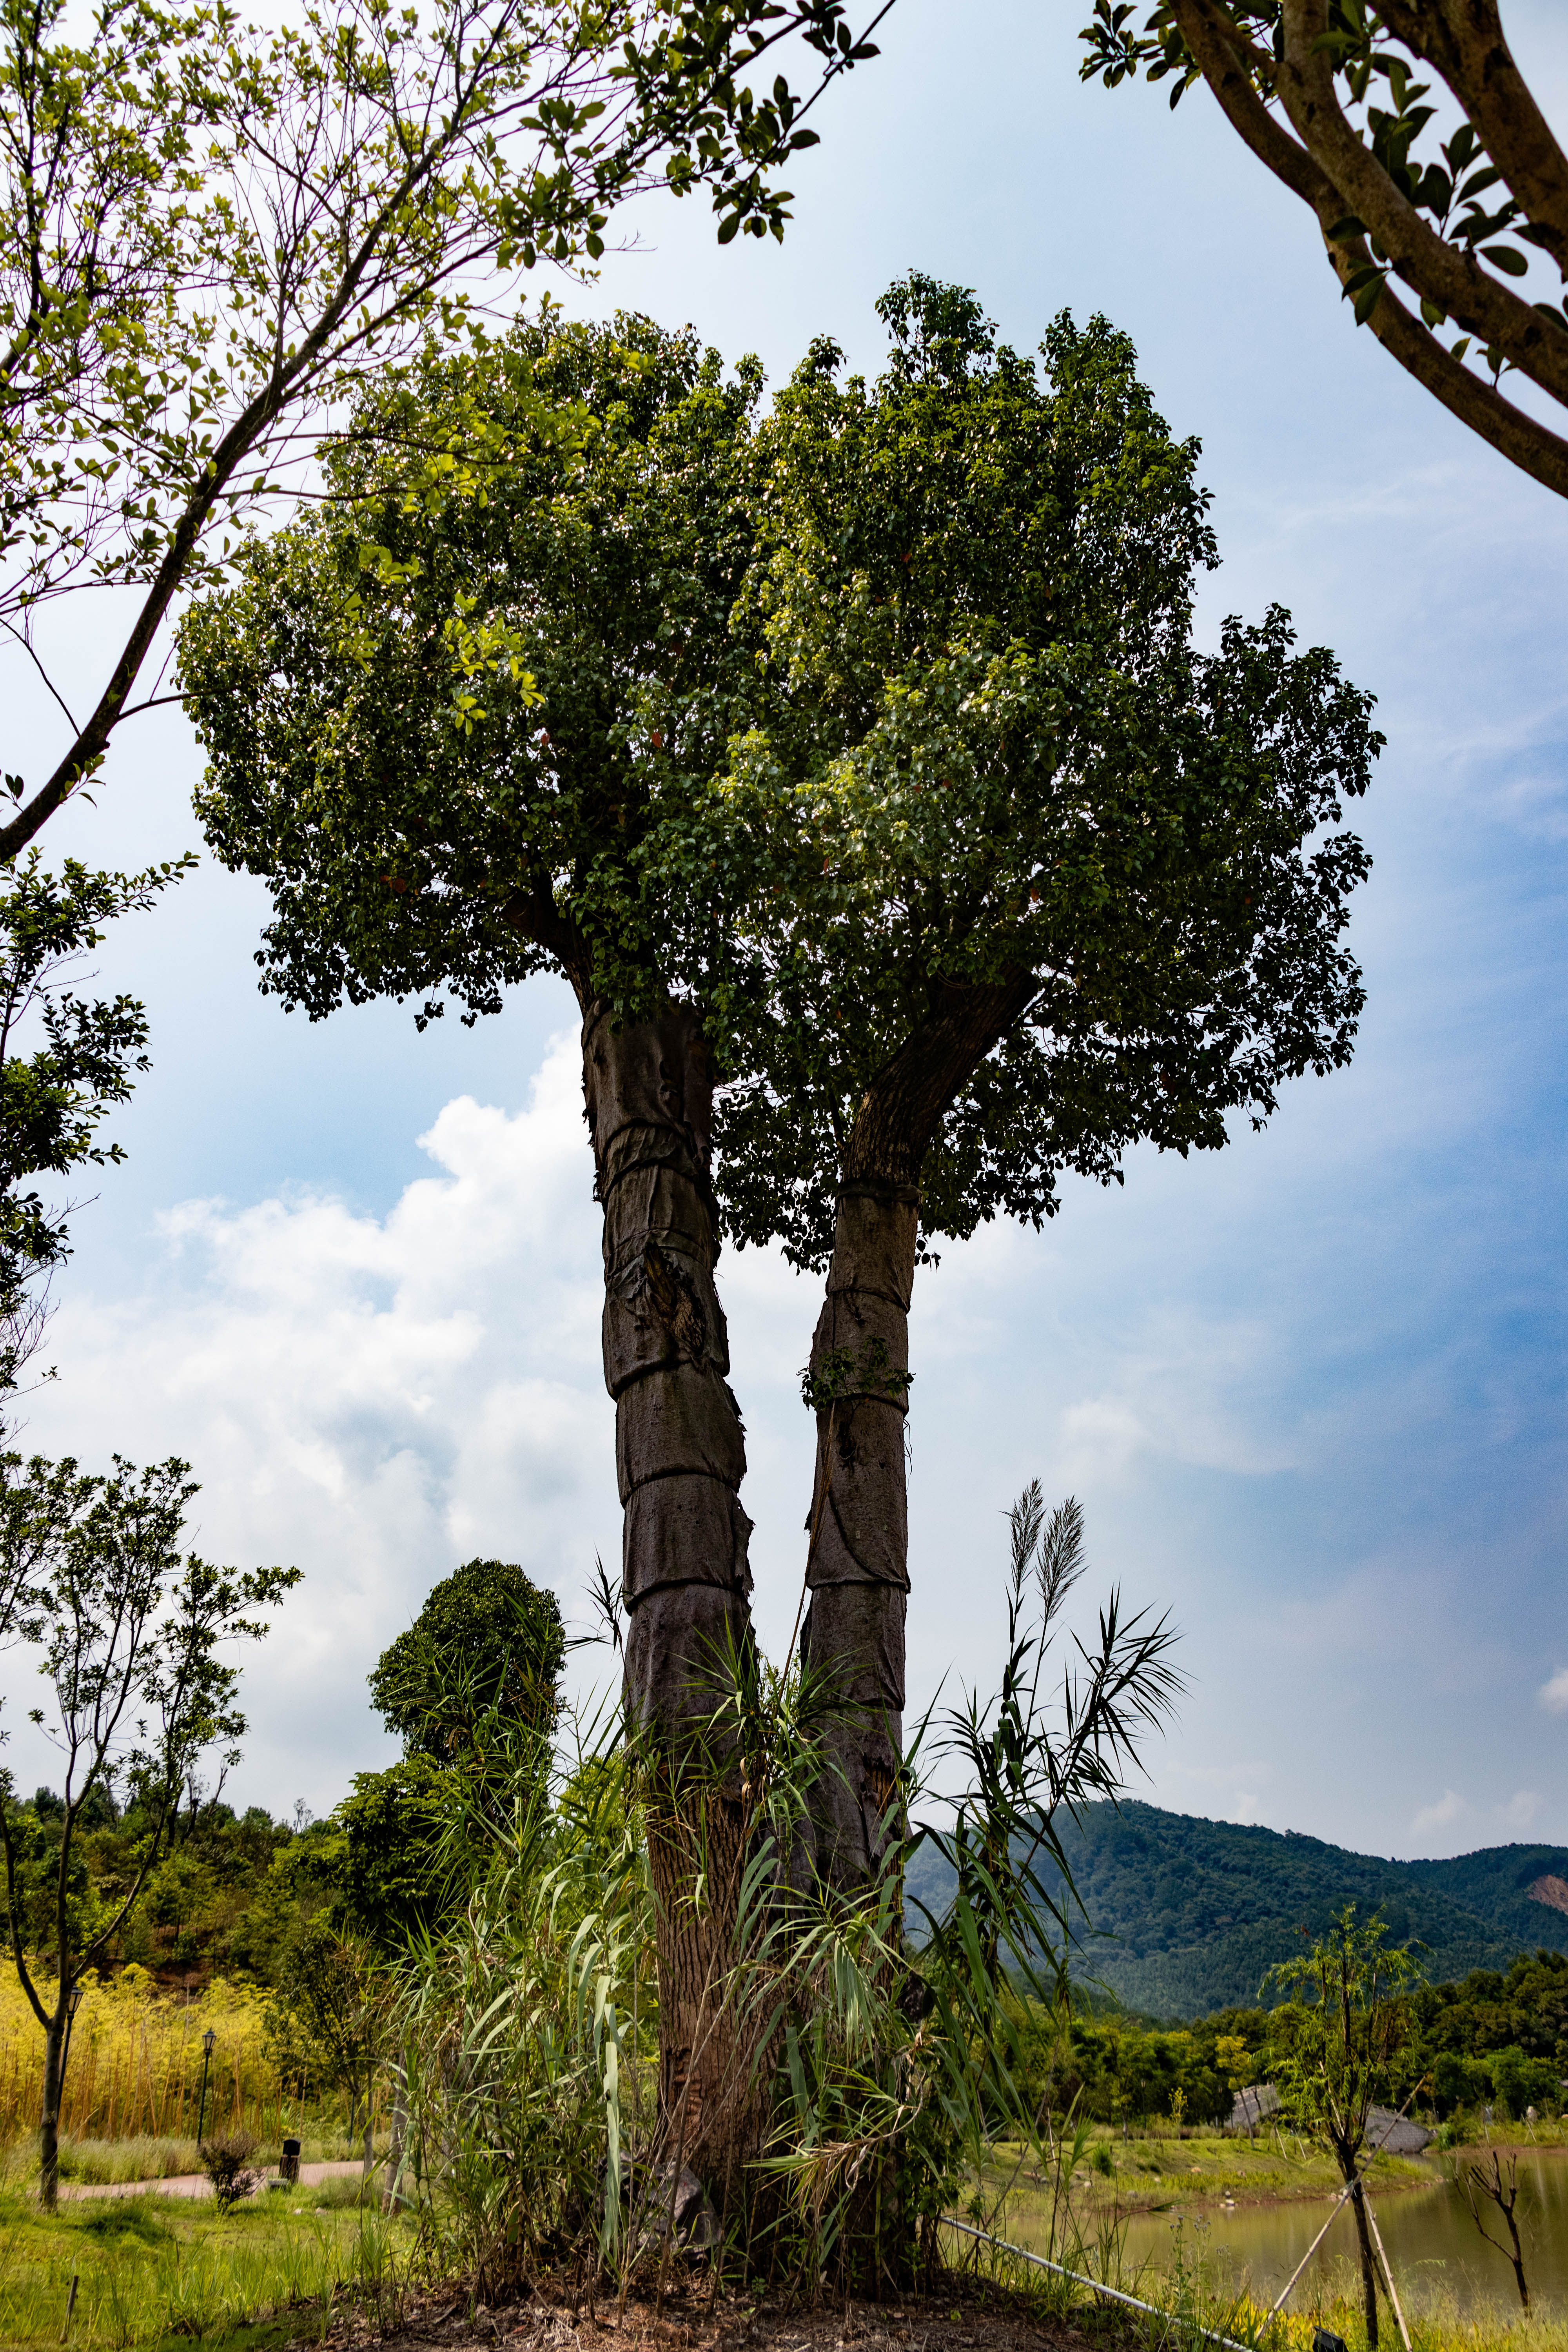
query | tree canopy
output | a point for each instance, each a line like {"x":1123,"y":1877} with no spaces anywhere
{"x":488,"y":1639}
{"x":1018,"y":869}
{"x":1459,"y":219}
{"x":428,"y":713}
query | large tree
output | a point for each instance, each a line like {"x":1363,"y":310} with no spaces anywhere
{"x":1452,"y":192}
{"x":441,"y":721}
{"x":1011,"y":877}
{"x":207,"y":233}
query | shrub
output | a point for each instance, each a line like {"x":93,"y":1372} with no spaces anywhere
{"x":227,"y":2164}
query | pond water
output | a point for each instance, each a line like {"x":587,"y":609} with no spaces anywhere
{"x":1433,"y":2247}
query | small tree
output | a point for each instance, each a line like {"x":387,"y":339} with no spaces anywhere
{"x":1487,"y":2182}
{"x":1342,"y":2044}
{"x":326,"y":2017}
{"x":129,"y":1633}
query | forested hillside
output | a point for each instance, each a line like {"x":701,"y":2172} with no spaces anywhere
{"x":1190,"y":1914}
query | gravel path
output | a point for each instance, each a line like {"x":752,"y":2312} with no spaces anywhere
{"x":196,"y":2184}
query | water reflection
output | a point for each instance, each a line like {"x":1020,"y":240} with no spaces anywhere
{"x":1433,"y":2244}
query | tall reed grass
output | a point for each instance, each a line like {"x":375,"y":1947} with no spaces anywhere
{"x":135,"y":2073}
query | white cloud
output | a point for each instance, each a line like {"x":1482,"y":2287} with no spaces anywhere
{"x":1440,"y":1816}
{"x":374,"y":1399}
{"x":1553,"y":1695}
{"x":1520,"y":1809}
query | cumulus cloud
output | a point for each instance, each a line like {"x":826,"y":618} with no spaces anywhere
{"x":1439,"y":1816}
{"x":372,"y":1398}
{"x":1553,"y":1695}
{"x":1520,"y":1809}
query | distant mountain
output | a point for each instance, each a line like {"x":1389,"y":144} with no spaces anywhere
{"x":1193,"y":1913}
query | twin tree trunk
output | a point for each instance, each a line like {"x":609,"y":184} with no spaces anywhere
{"x":681,"y":1457}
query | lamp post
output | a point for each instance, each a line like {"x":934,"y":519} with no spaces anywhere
{"x":208,"y":2039}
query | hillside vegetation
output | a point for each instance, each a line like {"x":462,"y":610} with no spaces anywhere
{"x":1190,"y":1914}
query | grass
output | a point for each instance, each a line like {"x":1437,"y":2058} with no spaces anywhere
{"x":154,"y":2273}
{"x":1146,"y":2175}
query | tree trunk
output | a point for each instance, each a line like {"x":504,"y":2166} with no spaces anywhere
{"x":1368,"y":2268}
{"x":681,"y":1457}
{"x":857,"y":1563}
{"x":857,"y":1569}
{"x":49,"y":2125}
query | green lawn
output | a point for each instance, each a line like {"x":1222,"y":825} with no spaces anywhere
{"x":170,"y":2274}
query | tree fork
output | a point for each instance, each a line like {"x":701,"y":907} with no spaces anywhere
{"x":680,"y":1457}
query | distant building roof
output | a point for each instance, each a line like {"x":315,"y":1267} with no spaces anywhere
{"x":1253,"y":2107}
{"x":1394,"y":2135}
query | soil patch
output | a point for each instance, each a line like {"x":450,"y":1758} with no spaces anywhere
{"x":964,"y":2319}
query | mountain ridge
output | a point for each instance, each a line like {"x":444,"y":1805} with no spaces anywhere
{"x":1189,"y":1914}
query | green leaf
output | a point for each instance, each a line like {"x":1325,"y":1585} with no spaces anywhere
{"x":1506,"y":257}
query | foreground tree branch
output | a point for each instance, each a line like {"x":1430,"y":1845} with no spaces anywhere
{"x":208,"y":237}
{"x":1383,"y":213}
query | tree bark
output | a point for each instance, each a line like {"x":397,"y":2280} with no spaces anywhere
{"x":49,"y":2122}
{"x":857,"y":1560}
{"x":856,"y":1574}
{"x":1368,"y":2268}
{"x":680,"y":1457}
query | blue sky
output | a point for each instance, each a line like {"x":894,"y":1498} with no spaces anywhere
{"x":1309,"y":1390}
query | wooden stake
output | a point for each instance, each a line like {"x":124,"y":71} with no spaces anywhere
{"x":1387,"y":2273}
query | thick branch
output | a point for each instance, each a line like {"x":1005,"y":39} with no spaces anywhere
{"x":1464,"y":41}
{"x":1438,"y":270}
{"x":904,"y":1105}
{"x":1530,"y":445}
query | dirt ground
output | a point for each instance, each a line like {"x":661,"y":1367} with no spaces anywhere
{"x":966,"y":2320}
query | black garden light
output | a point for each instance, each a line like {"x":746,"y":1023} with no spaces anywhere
{"x":208,"y":2039}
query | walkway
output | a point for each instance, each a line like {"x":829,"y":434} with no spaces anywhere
{"x":196,"y":2184}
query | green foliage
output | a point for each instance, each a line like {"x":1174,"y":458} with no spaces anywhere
{"x":1344,"y":2037}
{"x":210,"y":229}
{"x":390,"y":1875}
{"x":1397,"y":205}
{"x":55,"y":1092}
{"x":488,"y":1639}
{"x":988,"y":759}
{"x":442,"y":714}
{"x":325,"y":2022}
{"x":633,"y":687}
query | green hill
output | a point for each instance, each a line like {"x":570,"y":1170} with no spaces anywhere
{"x":1192,"y":1914}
